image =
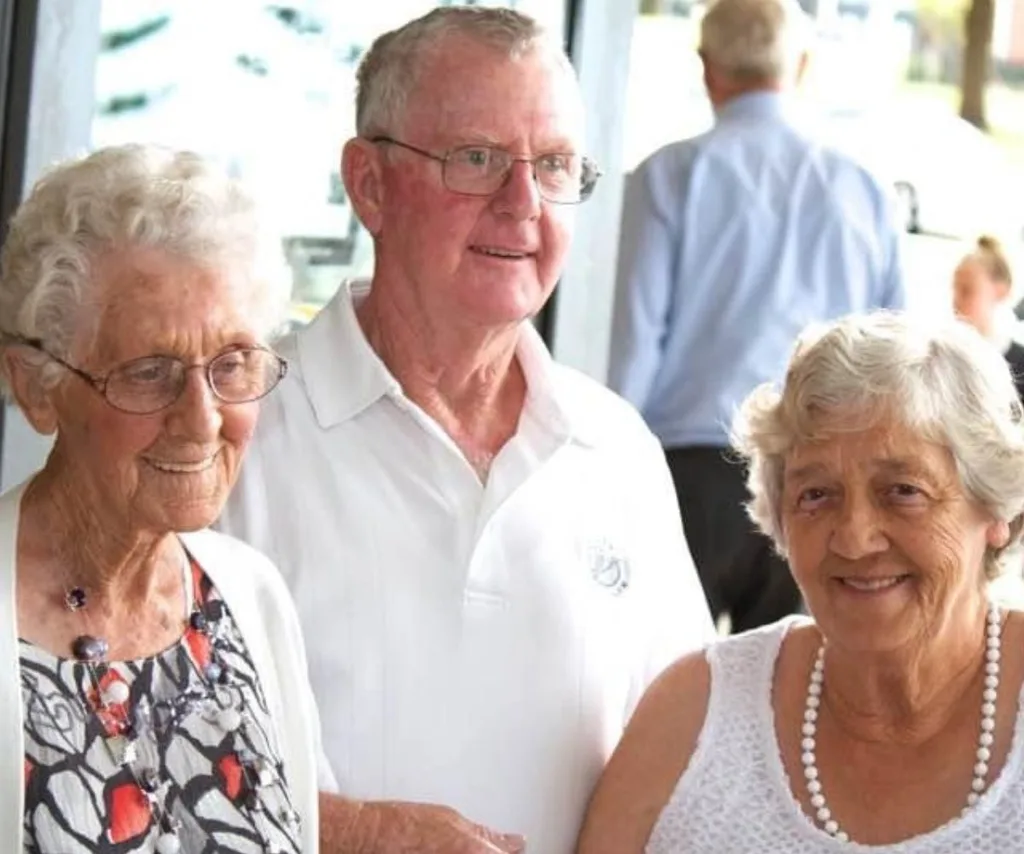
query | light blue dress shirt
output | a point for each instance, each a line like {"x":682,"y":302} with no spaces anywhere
{"x":732,"y":242}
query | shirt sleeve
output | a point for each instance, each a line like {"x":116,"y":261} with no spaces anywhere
{"x":676,"y":616}
{"x":894,"y":294}
{"x":305,"y":699}
{"x":648,"y":247}
{"x":325,"y":779}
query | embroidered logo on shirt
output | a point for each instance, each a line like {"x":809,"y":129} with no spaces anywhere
{"x":609,"y":568}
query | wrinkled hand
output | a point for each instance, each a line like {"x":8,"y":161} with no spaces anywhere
{"x":394,"y":827}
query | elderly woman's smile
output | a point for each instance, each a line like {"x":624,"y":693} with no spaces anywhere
{"x":871,"y":584}
{"x":158,"y":421}
{"x":877,"y":523}
{"x":184,"y":466}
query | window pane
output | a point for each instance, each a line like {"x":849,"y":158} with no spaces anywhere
{"x":266,"y":89}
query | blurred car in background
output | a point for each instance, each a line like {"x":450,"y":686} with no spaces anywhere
{"x":950,"y":178}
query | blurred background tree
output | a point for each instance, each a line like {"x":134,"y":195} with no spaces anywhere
{"x":979,"y":24}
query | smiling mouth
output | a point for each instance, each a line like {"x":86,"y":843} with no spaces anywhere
{"x":177,"y":467}
{"x":873,"y":585}
{"x":505,"y":254}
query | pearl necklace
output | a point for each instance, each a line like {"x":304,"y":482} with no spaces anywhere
{"x":823,"y":815}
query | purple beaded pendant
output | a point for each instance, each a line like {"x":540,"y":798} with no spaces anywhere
{"x":88,"y":648}
{"x":74,"y":599}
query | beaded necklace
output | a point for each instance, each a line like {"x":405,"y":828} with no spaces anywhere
{"x":219,"y":701}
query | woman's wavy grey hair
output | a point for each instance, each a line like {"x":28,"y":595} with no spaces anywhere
{"x":942,"y":380}
{"x":119,"y":198}
{"x":390,"y":70}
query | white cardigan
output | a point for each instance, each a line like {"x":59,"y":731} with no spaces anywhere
{"x":264,"y":614}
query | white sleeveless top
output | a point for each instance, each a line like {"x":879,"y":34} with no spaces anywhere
{"x":735,"y":797}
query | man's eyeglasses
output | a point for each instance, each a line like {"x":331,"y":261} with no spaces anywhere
{"x":147,"y":385}
{"x":482,"y":170}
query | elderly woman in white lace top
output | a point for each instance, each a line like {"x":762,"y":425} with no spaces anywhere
{"x":890,"y":472}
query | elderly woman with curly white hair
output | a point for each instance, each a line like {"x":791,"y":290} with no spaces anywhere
{"x":153,"y":688}
{"x":890,"y":472}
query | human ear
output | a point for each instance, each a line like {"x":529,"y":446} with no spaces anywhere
{"x":32,"y":398}
{"x":998,"y":534}
{"x":362,"y":170}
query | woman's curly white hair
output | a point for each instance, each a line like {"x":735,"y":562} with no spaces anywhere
{"x":118,"y":198}
{"x":942,"y":380}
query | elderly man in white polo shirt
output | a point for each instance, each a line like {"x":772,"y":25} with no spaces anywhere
{"x":485,"y":547}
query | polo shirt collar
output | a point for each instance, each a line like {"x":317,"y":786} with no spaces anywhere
{"x":344,"y":375}
{"x":552,"y":397}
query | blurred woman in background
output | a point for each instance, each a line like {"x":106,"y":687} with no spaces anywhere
{"x":982,"y":284}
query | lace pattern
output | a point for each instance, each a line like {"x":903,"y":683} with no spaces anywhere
{"x":735,"y":798}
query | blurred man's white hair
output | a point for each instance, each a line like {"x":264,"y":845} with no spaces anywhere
{"x":755,"y":40}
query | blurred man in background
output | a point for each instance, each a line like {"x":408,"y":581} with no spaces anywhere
{"x":731,"y":243}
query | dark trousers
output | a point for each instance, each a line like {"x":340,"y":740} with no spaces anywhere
{"x":742,"y":574}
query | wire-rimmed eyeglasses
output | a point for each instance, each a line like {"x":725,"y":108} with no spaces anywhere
{"x":482,"y":170}
{"x":152,"y":383}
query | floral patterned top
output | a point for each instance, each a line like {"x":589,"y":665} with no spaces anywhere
{"x":191,"y":748}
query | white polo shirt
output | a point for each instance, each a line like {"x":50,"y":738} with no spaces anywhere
{"x":474,"y":645}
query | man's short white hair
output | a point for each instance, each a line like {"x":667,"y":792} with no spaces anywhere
{"x":388,"y":74}
{"x":757,"y":40}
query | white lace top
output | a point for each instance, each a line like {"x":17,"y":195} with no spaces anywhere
{"x":735,"y":797}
